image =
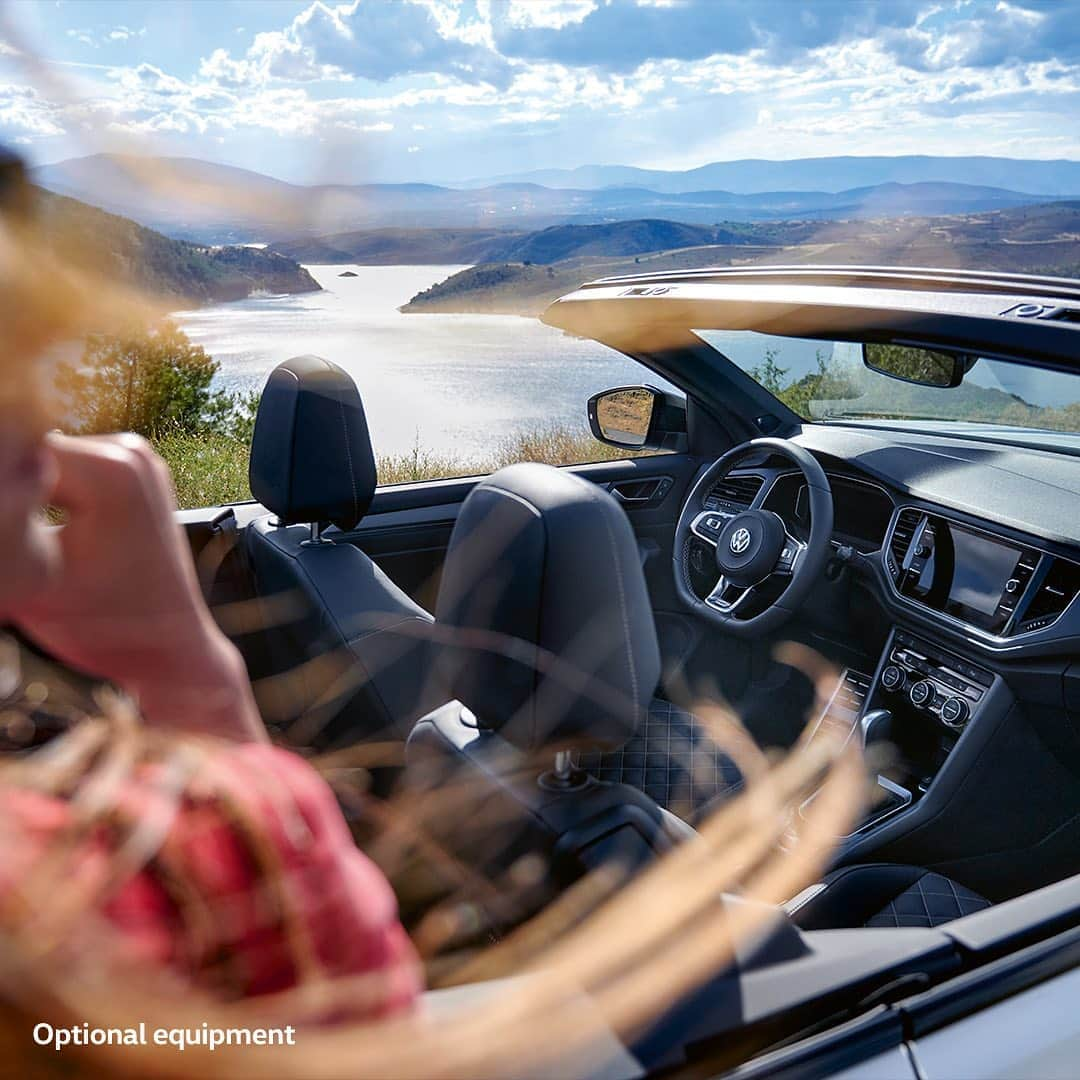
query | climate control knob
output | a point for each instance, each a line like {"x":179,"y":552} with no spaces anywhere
{"x":921,"y":693}
{"x":893,"y":677}
{"x":955,"y":711}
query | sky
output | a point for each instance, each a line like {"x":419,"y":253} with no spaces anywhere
{"x":449,"y":90}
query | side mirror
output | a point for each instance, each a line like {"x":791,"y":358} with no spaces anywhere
{"x":639,"y":418}
{"x":913,"y":364}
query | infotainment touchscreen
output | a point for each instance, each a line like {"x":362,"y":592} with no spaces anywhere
{"x":981,"y":568}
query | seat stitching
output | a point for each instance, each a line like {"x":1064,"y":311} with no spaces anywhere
{"x":922,"y":897}
{"x":956,"y":896}
{"x":622,"y":598}
{"x":348,"y":458}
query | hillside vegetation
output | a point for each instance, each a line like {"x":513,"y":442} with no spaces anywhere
{"x":385,"y":247}
{"x":176,"y":270}
{"x":1041,"y":239}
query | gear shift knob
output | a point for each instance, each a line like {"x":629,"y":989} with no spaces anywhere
{"x":876,"y":726}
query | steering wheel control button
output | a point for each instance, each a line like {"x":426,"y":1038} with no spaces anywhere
{"x":955,"y":711}
{"x":892,"y":678}
{"x":921,"y":693}
{"x":788,"y":554}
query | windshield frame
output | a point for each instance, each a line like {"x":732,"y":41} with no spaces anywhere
{"x":1007,"y":317}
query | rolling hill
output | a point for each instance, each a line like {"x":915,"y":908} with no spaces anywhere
{"x":1039,"y":239}
{"x":180,"y":272}
{"x":384,"y":247}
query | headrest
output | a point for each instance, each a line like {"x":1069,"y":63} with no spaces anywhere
{"x":311,"y":457}
{"x":543,"y":602}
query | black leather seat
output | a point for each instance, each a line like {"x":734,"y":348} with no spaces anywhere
{"x":883,"y":895}
{"x":551,"y":634}
{"x":547,"y":644}
{"x":346,"y":650}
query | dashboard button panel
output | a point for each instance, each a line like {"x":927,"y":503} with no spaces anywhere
{"x":933,"y":681}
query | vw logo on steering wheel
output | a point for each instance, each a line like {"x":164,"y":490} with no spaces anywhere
{"x":740,"y":541}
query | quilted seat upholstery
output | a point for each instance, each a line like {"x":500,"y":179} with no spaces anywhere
{"x":883,"y":895}
{"x":673,"y":760}
{"x":933,"y":899}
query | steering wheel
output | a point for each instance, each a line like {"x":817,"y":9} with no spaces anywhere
{"x":754,"y":546}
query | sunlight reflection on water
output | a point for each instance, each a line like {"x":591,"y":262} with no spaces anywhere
{"x":459,"y":383}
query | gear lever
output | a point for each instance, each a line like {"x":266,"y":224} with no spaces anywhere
{"x":876,"y":726}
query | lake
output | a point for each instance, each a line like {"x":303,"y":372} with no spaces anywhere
{"x":455,"y":383}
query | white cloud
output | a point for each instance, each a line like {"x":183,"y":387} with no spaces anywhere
{"x":554,"y":14}
{"x":868,"y":83}
{"x":124,"y":33}
{"x":377,"y":40}
{"x":25,"y":114}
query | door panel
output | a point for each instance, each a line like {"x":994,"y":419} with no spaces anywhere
{"x":407,"y":529}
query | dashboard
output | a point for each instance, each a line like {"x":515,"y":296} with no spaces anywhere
{"x":950,"y":603}
{"x":984,"y":580}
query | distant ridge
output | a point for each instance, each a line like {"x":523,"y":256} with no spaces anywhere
{"x":1038,"y":177}
{"x":382,"y":247}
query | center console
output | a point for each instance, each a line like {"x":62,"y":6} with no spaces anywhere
{"x":909,"y":717}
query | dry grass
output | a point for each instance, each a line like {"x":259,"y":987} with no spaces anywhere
{"x":207,"y":469}
{"x":211,"y":470}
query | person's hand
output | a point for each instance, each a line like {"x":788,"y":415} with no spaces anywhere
{"x":125,"y":602}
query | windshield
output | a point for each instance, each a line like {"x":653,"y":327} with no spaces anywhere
{"x":827,"y":381}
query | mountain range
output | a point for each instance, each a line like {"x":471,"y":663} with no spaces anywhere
{"x":213,"y":203}
{"x":388,"y":247}
{"x":833,"y":174}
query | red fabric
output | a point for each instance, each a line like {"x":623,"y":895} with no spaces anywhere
{"x":337,"y":898}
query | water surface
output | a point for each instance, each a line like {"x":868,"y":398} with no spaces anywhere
{"x":458,"y":384}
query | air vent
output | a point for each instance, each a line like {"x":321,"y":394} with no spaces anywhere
{"x":907,"y":521}
{"x":733,"y":493}
{"x":1053,"y":596}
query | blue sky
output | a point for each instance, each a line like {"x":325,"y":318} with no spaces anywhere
{"x":452,"y":89}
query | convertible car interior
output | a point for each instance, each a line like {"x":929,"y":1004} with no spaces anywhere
{"x":540,"y":638}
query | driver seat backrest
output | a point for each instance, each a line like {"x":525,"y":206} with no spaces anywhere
{"x":344,"y":644}
{"x":547,"y":643}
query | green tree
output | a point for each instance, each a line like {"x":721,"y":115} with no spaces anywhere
{"x":769,"y":373}
{"x":147,"y":380}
